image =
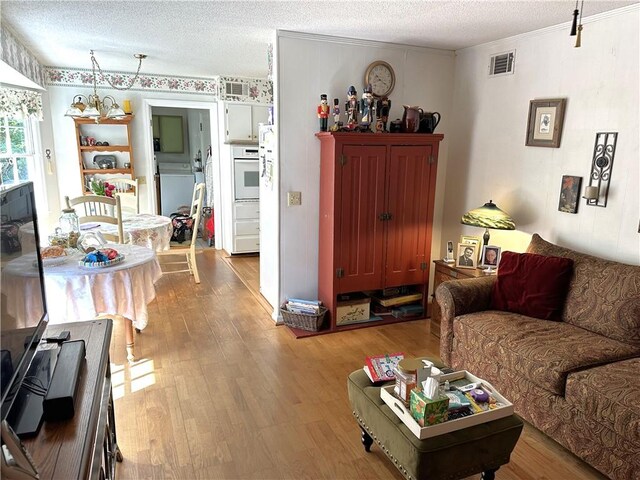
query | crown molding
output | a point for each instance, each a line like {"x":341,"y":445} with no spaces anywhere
{"x":361,"y":42}
{"x":561,"y":26}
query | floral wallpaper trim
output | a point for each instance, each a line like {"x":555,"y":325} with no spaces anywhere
{"x":18,"y":57}
{"x":84,"y":77}
{"x":258,"y":90}
{"x":20,"y":103}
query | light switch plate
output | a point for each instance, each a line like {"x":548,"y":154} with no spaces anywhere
{"x":294,"y":198}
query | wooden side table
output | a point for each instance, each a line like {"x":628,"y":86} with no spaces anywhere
{"x":448,"y":271}
{"x":85,"y":446}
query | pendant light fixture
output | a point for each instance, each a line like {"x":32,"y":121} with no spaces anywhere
{"x":577,"y":25}
{"x":107,"y":107}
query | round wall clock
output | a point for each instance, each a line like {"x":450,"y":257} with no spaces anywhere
{"x":381,"y":77}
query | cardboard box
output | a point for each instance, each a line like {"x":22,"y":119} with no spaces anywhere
{"x":504,"y":409}
{"x":428,"y":411}
{"x":352,"y":308}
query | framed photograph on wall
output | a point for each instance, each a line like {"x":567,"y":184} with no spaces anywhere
{"x":490,"y":257}
{"x":544,"y":126}
{"x":569,"y":194}
{"x":467,"y":256}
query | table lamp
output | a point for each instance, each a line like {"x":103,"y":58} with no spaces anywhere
{"x":488,"y":216}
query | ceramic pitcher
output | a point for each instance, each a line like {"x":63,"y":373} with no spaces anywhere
{"x":429,"y":121}
{"x":411,"y":119}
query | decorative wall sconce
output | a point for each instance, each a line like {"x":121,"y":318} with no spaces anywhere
{"x":603,"y":152}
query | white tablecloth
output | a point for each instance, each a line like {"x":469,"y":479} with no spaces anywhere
{"x":143,"y":229}
{"x":76,"y":293}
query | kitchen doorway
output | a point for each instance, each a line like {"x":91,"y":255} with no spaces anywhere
{"x":177,"y":164}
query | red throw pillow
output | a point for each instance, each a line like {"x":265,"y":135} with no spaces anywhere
{"x":531,"y":284}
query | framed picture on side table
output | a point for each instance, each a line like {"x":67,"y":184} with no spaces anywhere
{"x":490,"y":258}
{"x":477,"y":241}
{"x":544,"y":126}
{"x":467,"y":256}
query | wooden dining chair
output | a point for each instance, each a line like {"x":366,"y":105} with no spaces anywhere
{"x":127,"y":190}
{"x":189,"y":250}
{"x":99,"y":209}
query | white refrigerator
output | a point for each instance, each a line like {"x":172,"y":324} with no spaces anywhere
{"x":269,"y":218}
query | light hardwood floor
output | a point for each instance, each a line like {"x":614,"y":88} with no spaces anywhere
{"x":220,"y":392}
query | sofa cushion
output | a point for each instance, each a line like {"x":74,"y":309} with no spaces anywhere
{"x":610,"y":395}
{"x":542,"y":352}
{"x":604,"y":296}
{"x":531,"y":284}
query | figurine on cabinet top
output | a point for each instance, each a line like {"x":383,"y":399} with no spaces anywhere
{"x":367,"y":108}
{"x":323,"y":112}
{"x":352,"y":108}
{"x":382,"y":109}
{"x":337,"y":124}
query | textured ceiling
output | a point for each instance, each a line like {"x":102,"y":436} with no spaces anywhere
{"x":207,"y":38}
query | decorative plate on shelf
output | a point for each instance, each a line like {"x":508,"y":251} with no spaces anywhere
{"x":107,"y":263}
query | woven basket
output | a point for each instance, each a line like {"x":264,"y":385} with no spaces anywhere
{"x":309,"y":322}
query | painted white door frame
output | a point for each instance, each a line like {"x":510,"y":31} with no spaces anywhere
{"x":212,"y":107}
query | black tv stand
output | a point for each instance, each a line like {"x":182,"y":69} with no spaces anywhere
{"x":25,"y":416}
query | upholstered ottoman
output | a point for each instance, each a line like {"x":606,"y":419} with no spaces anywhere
{"x":479,"y":449}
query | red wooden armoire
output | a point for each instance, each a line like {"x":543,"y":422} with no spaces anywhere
{"x":377,"y":193}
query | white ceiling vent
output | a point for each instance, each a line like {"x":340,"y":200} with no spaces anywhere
{"x":236,"y":88}
{"x":502,"y":64}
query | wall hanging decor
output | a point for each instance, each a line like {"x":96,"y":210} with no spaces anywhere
{"x":604,"y":150}
{"x":544,"y":127}
{"x":569,"y":194}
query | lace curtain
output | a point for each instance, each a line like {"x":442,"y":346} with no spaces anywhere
{"x":20,"y":103}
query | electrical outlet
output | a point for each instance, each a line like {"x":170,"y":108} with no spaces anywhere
{"x":294,"y":198}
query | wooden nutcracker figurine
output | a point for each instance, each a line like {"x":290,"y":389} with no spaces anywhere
{"x":323,"y":112}
{"x":367,"y":108}
{"x":337,"y":124}
{"x":352,"y":108}
{"x":382,"y":109}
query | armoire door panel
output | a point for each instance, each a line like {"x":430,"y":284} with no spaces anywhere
{"x":361,"y":233}
{"x":408,"y":176}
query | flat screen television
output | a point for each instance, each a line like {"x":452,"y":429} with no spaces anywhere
{"x":23,"y":307}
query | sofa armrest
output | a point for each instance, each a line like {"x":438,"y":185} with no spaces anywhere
{"x":458,"y":297}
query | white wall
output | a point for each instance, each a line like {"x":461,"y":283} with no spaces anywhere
{"x":66,"y":154}
{"x":312,"y":65}
{"x":488,"y":158}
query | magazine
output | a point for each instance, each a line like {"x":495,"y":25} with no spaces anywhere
{"x":381,"y":367}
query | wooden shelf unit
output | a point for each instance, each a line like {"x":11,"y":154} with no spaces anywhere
{"x":84,"y":150}
{"x":377,"y":192}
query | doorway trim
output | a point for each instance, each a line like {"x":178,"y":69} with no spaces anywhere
{"x":212,"y":107}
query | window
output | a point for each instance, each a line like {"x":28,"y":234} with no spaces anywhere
{"x":19,"y":154}
{"x":17,"y":159}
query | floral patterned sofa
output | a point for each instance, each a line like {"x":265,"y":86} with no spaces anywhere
{"x":578,"y":379}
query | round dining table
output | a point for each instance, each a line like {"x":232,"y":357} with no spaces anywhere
{"x":143,"y":229}
{"x":75,"y":292}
